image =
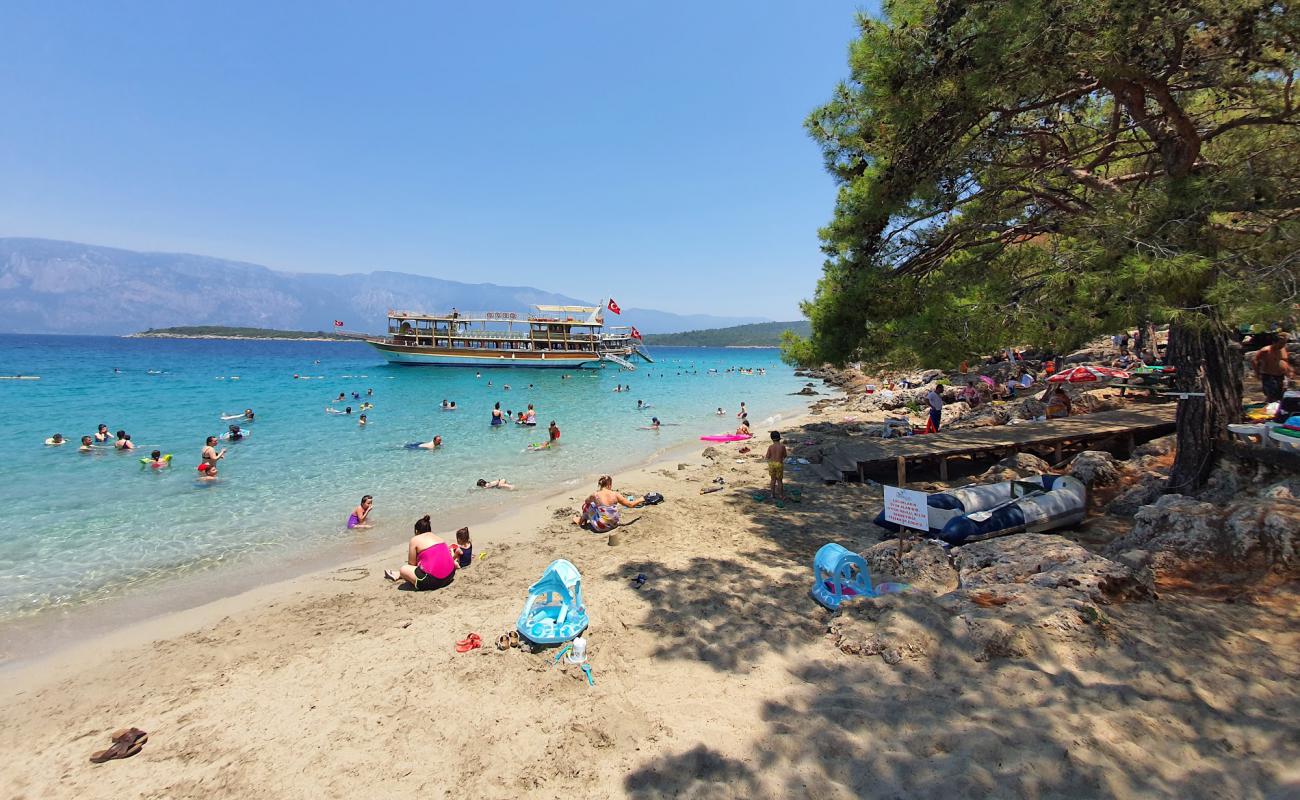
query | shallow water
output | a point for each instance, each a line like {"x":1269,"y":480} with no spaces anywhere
{"x":83,"y":527}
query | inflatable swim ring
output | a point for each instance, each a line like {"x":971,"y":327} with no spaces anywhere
{"x":725,"y":437}
{"x":163,"y":462}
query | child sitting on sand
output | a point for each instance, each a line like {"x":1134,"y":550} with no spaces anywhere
{"x":776,"y":453}
{"x":463,"y":549}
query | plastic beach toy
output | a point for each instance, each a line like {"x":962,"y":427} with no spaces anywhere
{"x":554,"y":611}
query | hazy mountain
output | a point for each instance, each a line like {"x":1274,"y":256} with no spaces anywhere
{"x":50,"y":286}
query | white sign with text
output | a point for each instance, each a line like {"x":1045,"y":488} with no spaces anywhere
{"x":907,"y":508}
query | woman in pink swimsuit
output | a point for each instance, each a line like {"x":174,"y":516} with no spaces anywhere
{"x":429,"y":561}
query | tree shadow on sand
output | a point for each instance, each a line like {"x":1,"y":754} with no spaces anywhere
{"x":1166,"y":703}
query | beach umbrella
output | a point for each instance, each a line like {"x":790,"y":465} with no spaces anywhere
{"x":1087,"y":374}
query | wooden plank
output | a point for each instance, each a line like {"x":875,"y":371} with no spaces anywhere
{"x":943,"y":468}
{"x":902,"y":471}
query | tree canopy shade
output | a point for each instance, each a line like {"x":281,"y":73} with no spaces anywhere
{"x":1042,"y":171}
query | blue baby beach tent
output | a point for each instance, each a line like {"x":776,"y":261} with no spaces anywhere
{"x":554,"y":611}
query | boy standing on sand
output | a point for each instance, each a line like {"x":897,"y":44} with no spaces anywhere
{"x":776,"y":454}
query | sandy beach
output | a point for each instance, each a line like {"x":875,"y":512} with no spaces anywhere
{"x":717,"y":678}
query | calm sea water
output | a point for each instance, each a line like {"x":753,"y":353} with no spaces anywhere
{"x":84,"y":527}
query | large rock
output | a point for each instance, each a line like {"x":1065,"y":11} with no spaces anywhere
{"x":924,"y":565}
{"x":1164,"y":446}
{"x":1201,"y":543}
{"x":1015,"y":467}
{"x":1023,"y":563}
{"x":1094,"y":468}
{"x":1145,"y":492}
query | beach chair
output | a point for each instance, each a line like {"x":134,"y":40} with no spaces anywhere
{"x":839,"y":573}
{"x":554,"y":611}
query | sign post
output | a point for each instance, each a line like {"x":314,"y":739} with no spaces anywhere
{"x":908,"y":509}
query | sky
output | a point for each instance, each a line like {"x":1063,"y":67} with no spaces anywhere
{"x":654,"y":151}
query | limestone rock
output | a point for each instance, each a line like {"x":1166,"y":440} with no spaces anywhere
{"x":1094,"y":468}
{"x":1163,"y":446}
{"x":1014,"y":467}
{"x":924,"y":566}
{"x":1016,"y":565}
{"x":1145,"y":492}
{"x":1195,"y":541}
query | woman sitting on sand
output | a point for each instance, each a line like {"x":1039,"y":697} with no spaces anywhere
{"x":743,"y":430}
{"x":601,"y":512}
{"x":429,"y":561}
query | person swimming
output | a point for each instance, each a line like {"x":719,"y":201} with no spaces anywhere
{"x":87,"y":445}
{"x":720,"y":412}
{"x":123,"y":441}
{"x":157,"y":461}
{"x":496,"y":415}
{"x":55,"y":440}
{"x":102,"y":434}
{"x":499,"y":483}
{"x":235,"y":434}
{"x":430,"y":445}
{"x":362,"y":421}
{"x":654,"y":423}
{"x":554,"y":432}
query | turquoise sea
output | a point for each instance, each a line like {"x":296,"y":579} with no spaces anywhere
{"x":82,"y":528}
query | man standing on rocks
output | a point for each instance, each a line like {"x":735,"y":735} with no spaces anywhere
{"x":1272,"y":367}
{"x":935,"y":399}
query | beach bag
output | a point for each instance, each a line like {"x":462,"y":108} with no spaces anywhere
{"x":653,"y":499}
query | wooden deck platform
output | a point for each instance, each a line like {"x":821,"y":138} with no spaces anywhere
{"x":853,"y":460}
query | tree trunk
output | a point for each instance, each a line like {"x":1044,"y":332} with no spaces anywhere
{"x":1207,"y":361}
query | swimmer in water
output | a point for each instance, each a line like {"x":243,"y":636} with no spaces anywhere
{"x":341,"y":398}
{"x":640,"y":404}
{"x":654,"y":423}
{"x":554,"y":431}
{"x":499,"y":483}
{"x":720,"y":412}
{"x":87,"y":445}
{"x":248,"y":414}
{"x":210,"y":456}
{"x":347,"y":410}
{"x":207,"y":472}
{"x":359,"y":514}
{"x":102,"y":434}
{"x":433,"y":445}
{"x":156,"y":460}
{"x":123,"y":441}
{"x":234,"y":434}
{"x":55,"y":440}
{"x":370,"y":393}
{"x":362,"y":421}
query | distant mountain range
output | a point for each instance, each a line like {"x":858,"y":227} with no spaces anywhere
{"x":761,"y":334}
{"x":49,"y":286}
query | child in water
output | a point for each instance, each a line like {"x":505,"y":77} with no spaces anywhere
{"x":56,"y":439}
{"x":499,"y":483}
{"x":359,"y":514}
{"x":156,"y":460}
{"x":362,"y":420}
{"x":464,"y":548}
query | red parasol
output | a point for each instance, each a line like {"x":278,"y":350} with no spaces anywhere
{"x":1087,"y":375}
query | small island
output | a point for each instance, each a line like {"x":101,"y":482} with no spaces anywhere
{"x":227,"y":332}
{"x":758,"y":334}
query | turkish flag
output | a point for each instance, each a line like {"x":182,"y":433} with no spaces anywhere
{"x":636,"y":334}
{"x":614,"y":306}
{"x":338,"y":323}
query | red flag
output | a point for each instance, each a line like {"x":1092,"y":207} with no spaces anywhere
{"x":614,"y":306}
{"x":338,"y":323}
{"x":636,"y":334}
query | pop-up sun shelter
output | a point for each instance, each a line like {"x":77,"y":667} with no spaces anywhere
{"x":554,"y":611}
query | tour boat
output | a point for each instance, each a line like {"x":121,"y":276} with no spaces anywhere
{"x":555,"y":337}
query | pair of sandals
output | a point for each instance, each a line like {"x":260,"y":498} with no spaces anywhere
{"x":508,"y":640}
{"x":126,"y":743}
{"x":471,"y":642}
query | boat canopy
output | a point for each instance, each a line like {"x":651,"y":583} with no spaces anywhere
{"x":567,"y":309}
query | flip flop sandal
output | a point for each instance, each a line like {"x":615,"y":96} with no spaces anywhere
{"x":392,"y":574}
{"x":639,"y":580}
{"x":126,"y":733}
{"x":503,"y":642}
{"x":471,"y":642}
{"x":120,"y":749}
{"x":513,"y":637}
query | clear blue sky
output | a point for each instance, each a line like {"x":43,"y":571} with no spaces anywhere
{"x":652,"y":150}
